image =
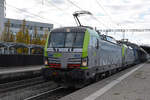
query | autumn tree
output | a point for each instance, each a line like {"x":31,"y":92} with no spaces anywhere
{"x":36,"y":38}
{"x":12,"y":38}
{"x":23,"y":27}
{"x":27,"y":37}
{"x":7,"y":35}
{"x":34,"y":35}
{"x":23,"y":37}
{"x":19,"y":37}
{"x":44,"y":37}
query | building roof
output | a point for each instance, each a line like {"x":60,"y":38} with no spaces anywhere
{"x":31,"y":23}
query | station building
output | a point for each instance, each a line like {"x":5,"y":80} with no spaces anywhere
{"x":16,"y":24}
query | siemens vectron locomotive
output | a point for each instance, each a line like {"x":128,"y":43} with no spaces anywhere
{"x":77,"y":55}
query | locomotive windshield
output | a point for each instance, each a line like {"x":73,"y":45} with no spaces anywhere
{"x":66,"y":40}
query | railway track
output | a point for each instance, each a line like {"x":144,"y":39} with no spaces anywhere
{"x":53,"y":94}
{"x":33,"y":89}
{"x":43,"y":95}
{"x":56,"y":93}
{"x":20,"y":90}
{"x":10,"y":86}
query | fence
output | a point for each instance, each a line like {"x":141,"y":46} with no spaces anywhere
{"x":20,"y":60}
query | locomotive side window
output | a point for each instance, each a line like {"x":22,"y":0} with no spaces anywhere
{"x":114,"y":41}
{"x":97,"y":43}
{"x":110,"y":39}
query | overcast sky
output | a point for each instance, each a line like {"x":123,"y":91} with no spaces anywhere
{"x":108,"y":14}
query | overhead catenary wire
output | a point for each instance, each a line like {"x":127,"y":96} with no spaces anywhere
{"x":63,"y":11}
{"x":101,"y":6}
{"x":71,"y":2}
{"x":60,"y":9}
{"x":52,"y":4}
{"x":99,"y":21}
{"x":42,"y":2}
{"x":36,"y":15}
{"x":74,"y":4}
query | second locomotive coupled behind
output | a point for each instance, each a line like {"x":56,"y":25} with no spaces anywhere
{"x":75,"y":55}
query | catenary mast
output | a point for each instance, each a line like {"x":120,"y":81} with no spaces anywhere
{"x":2,"y":15}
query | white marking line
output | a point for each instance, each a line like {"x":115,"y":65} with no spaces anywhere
{"x":32,"y":97}
{"x":101,"y":91}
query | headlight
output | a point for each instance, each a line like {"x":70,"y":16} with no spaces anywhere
{"x":46,"y":62}
{"x":84,"y":62}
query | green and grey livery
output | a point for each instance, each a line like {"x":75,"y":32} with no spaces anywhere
{"x":80,"y":54}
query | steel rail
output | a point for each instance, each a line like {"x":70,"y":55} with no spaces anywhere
{"x":35,"y":97}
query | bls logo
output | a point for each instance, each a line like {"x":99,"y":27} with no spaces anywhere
{"x":62,"y":49}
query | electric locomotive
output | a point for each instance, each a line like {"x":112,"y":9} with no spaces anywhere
{"x":75,"y":56}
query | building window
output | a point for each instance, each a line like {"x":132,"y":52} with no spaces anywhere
{"x":41,"y":28}
{"x":12,"y":25}
{"x":48,"y":29}
{"x":31,"y":28}
{"x":27,"y":26}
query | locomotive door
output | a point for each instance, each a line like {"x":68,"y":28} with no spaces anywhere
{"x":95,"y":51}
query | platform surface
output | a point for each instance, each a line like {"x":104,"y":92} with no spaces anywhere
{"x":130,"y":84}
{"x":8,"y":70}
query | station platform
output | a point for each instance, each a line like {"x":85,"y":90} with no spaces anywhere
{"x":130,"y":84}
{"x":16,"y":73}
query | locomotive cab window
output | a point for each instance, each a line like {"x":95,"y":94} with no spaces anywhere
{"x":69,"y":39}
{"x":56,"y":40}
{"x":66,"y":40}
